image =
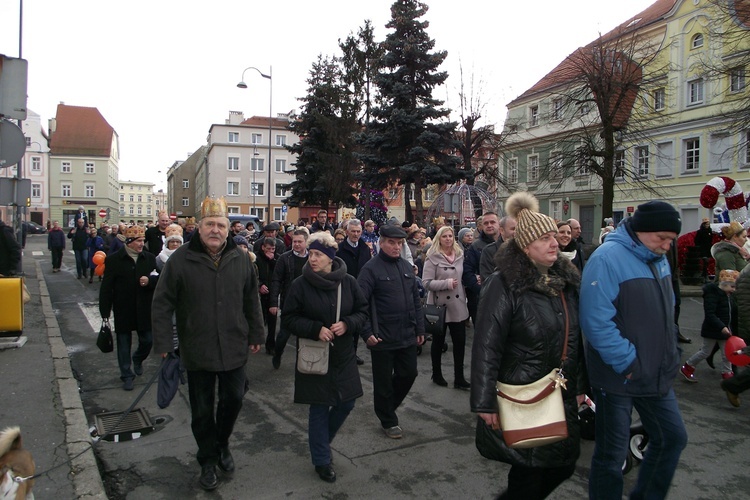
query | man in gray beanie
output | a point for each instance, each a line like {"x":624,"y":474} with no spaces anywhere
{"x":627,"y":316}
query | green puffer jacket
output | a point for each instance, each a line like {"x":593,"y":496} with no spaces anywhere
{"x":727,"y":256}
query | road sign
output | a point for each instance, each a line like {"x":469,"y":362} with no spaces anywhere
{"x":12,"y":143}
{"x":173,"y":216}
{"x":102,"y":213}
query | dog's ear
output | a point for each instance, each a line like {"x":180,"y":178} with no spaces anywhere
{"x":10,"y":439}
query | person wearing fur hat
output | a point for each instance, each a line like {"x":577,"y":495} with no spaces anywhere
{"x":632,"y":356}
{"x":172,"y":241}
{"x":127,"y":290}
{"x":719,"y":323}
{"x":730,"y":253}
{"x":465,"y":237}
{"x":520,"y":338}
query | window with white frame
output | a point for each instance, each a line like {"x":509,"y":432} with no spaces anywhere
{"x":281,"y":140}
{"x":89,"y":168}
{"x":737,"y":80}
{"x":697,"y":41}
{"x":278,"y":214}
{"x":258,"y":212}
{"x":122,"y":210}
{"x":279,"y":190}
{"x":233,"y":188}
{"x":554,"y":209}
{"x":641,"y":156}
{"x":557,"y":109}
{"x":280,"y":165}
{"x":122,"y":197}
{"x":148,"y":210}
{"x":533,"y":167}
{"x":409,"y":191}
{"x":513,"y":170}
{"x":132,"y":197}
{"x":233,"y":163}
{"x":582,"y":166}
{"x":185,"y":183}
{"x":257,"y":189}
{"x":660,"y":99}
{"x":429,"y":192}
{"x":65,"y":167}
{"x":664,"y":159}
{"x":36,"y":164}
{"x":234,"y":137}
{"x":695,"y":92}
{"x":36,"y":191}
{"x":692,"y":155}
{"x":556,"y":165}
{"x":392,"y":193}
{"x":185,"y":201}
{"x":131,"y":210}
{"x":533,"y":116}
{"x":140,"y":198}
{"x":140,"y":210}
{"x":233,"y":210}
{"x":256,"y":165}
{"x":88,"y":190}
{"x":619,"y":164}
{"x":256,"y":138}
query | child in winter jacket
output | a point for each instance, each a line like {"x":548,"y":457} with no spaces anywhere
{"x":719,"y":323}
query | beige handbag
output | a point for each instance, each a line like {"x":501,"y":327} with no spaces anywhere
{"x":533,"y":414}
{"x":313,"y":354}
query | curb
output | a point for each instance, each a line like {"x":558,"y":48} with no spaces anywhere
{"x":87,"y":482}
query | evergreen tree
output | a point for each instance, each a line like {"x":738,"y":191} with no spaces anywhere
{"x":409,"y":139}
{"x":325,"y":156}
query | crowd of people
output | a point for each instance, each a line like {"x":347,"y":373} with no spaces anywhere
{"x":536,"y":301}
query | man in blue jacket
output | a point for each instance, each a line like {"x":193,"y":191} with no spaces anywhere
{"x":627,"y":315}
{"x":395,"y":328}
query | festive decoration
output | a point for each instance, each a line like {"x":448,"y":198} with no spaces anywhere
{"x":378,"y":209}
{"x":733,"y":196}
{"x":99,"y":271}
{"x":99,"y":257}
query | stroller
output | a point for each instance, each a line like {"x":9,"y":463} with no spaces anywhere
{"x":638,"y":435}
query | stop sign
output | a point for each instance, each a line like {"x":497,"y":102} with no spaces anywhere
{"x":173,"y":216}
{"x":102,"y":213}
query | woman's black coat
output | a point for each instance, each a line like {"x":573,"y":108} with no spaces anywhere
{"x":310,"y":305}
{"x":518,"y":339}
{"x":120,"y":290}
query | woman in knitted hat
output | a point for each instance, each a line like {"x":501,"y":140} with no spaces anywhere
{"x":527,"y":310}
{"x":326,"y":304}
{"x":730,"y":253}
{"x":172,"y":241}
{"x":719,"y":323}
{"x":465,"y":237}
{"x":443,"y":268}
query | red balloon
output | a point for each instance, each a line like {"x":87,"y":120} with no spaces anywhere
{"x":98,"y":258}
{"x":733,"y":345}
{"x":99,"y":271}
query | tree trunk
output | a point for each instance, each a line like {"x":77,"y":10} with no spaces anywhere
{"x":418,"y":202}
{"x":408,"y":211}
{"x":608,"y":195}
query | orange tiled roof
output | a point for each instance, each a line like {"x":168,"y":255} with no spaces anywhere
{"x":567,"y":69}
{"x":81,"y":131}
{"x":262,"y":122}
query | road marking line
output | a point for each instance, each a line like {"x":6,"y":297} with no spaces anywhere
{"x":91,"y":311}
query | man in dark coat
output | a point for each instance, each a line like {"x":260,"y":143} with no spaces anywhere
{"x":396,"y":326}
{"x":128,"y":288}
{"x":271,"y":231}
{"x":355,"y":253}
{"x":56,"y":245}
{"x":80,"y":236}
{"x":266,"y":262}
{"x":471,"y":278}
{"x":321,"y":223}
{"x":155,"y":235}
{"x":287,"y":269}
{"x":506,"y":229}
{"x":10,"y":251}
{"x":211,"y":288}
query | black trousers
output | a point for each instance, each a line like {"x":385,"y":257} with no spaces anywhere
{"x":393,"y":374}
{"x":534,"y":483}
{"x":212,"y":429}
{"x":57,"y":254}
{"x":458,"y":336}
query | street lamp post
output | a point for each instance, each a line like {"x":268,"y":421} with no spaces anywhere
{"x":243,"y":85}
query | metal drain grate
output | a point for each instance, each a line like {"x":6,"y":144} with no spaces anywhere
{"x":135,"y":424}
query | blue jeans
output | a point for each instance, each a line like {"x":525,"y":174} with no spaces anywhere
{"x":124,"y":342}
{"x":212,"y":433}
{"x":666,"y":439}
{"x":323,"y":424}
{"x":82,"y":261}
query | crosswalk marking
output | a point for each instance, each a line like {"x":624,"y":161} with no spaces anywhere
{"x":37,"y":253}
{"x":91,"y":311}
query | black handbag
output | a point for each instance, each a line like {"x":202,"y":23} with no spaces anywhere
{"x":104,"y":341}
{"x":434,"y":318}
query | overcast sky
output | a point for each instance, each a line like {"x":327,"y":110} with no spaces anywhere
{"x":162,"y":71}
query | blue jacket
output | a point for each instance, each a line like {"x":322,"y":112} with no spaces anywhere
{"x":627,"y":316}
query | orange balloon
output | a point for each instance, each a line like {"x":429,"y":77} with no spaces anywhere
{"x":99,"y":271}
{"x":98,"y":259}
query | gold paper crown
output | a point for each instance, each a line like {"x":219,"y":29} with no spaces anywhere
{"x":173,"y":230}
{"x":135,"y":232}
{"x":214,"y":207}
{"x":190,"y":220}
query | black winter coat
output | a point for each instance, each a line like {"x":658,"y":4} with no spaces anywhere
{"x":719,"y":310}
{"x":283,"y":275}
{"x":265,"y":274}
{"x":80,"y":236}
{"x":354,"y":258}
{"x":309,"y":306}
{"x":518,"y":339}
{"x":120,"y":290}
{"x":10,"y":251}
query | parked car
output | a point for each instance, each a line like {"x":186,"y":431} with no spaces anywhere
{"x":34,"y":228}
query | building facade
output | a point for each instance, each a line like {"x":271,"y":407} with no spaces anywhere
{"x":136,"y":202}
{"x":181,"y":185}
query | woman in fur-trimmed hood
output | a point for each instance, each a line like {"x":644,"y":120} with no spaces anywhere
{"x":520,"y":338}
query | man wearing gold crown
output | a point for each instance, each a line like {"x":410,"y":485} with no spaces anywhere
{"x":128,"y":288}
{"x":206,"y":283}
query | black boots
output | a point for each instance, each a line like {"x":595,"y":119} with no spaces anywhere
{"x":437,"y":378}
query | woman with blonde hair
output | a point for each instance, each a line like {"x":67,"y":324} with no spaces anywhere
{"x":443,"y":267}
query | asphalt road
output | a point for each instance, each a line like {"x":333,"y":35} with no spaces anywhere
{"x":435,"y":459}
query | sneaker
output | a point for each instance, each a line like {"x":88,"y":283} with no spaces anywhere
{"x":727,"y":375}
{"x":688,"y":372}
{"x":394,"y":432}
